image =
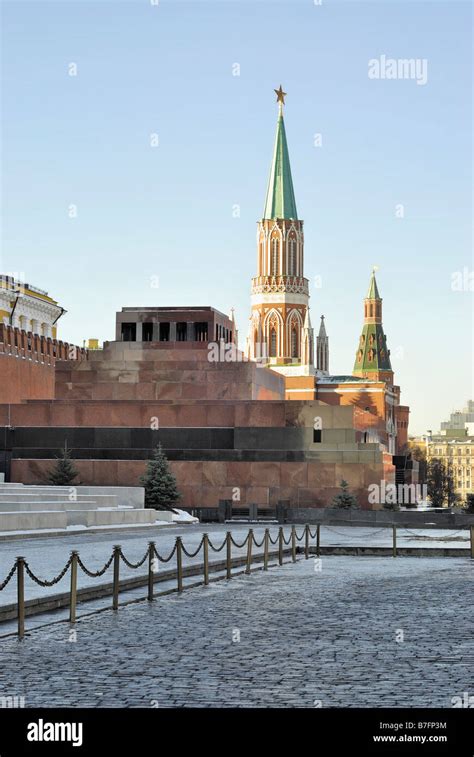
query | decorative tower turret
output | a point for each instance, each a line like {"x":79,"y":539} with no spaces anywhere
{"x":373,"y":358}
{"x":322,"y":350}
{"x":279,"y":324}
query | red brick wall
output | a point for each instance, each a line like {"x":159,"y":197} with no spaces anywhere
{"x":23,"y":379}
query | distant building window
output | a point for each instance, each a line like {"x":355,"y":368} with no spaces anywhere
{"x":317,"y":436}
{"x":129,"y":332}
{"x":181,"y":331}
{"x":147,"y":332}
{"x":164,"y":332}
{"x":200,"y":331}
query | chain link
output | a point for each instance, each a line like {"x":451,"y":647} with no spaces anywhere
{"x":354,"y":536}
{"x":239,"y":546}
{"x":258,"y":544}
{"x":134,"y":565}
{"x":433,"y":538}
{"x":95,"y":573}
{"x":215,"y":549}
{"x":165,"y":559}
{"x":193,"y":554}
{"x":8,"y":578}
{"x":54,"y":581}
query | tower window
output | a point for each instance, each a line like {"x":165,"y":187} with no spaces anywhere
{"x":292,"y":258}
{"x":273,"y":343}
{"x":274,"y":261}
{"x":294,"y":343}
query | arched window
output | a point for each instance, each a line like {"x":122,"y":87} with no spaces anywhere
{"x":294,"y":342}
{"x":292,"y":257}
{"x":273,"y":342}
{"x":274,"y":260}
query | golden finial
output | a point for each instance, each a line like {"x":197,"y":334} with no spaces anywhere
{"x":280,"y":96}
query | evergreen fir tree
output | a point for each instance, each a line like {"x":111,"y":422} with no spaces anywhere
{"x":450,"y":495}
{"x":469,"y":505}
{"x":345,"y":500}
{"x":436,"y":482}
{"x":64,"y":471}
{"x":440,"y":481}
{"x":161,"y":491}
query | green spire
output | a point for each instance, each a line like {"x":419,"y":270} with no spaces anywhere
{"x":372,"y":354}
{"x":373,"y":293}
{"x":280,"y":202}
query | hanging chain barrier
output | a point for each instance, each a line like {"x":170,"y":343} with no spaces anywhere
{"x":53,"y":581}
{"x":21,"y":567}
{"x":8,"y":578}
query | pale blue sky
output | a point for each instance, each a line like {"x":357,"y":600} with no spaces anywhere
{"x":167,"y":211}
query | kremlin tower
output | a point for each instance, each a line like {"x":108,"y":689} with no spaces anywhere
{"x":280,"y":327}
{"x":373,"y":358}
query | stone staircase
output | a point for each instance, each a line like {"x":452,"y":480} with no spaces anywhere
{"x":31,"y":508}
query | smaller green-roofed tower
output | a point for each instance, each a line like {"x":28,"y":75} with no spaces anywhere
{"x":372,"y":359}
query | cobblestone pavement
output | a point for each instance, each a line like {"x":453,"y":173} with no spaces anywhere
{"x":359,"y":632}
{"x":47,"y":556}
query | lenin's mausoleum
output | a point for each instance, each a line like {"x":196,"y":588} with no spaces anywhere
{"x":258,"y":425}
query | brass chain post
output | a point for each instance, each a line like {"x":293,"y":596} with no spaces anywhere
{"x":293,"y":543}
{"x":394,"y":536}
{"x":179,"y":563}
{"x":115,"y":591}
{"x":73,"y":596}
{"x":249,"y":551}
{"x":151,"y":553}
{"x":318,"y":540}
{"x":229,"y":555}
{"x":280,"y":546}
{"x":20,"y":567}
{"x":306,"y":542}
{"x":206,"y":559}
{"x":265,"y":549}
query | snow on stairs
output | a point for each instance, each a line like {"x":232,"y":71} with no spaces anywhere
{"x":31,"y":508}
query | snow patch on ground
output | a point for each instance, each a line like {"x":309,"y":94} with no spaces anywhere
{"x":181,"y":516}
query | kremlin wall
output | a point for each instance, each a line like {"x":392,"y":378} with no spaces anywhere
{"x":260,"y":425}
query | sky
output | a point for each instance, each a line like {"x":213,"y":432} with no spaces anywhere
{"x":140,"y":179}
